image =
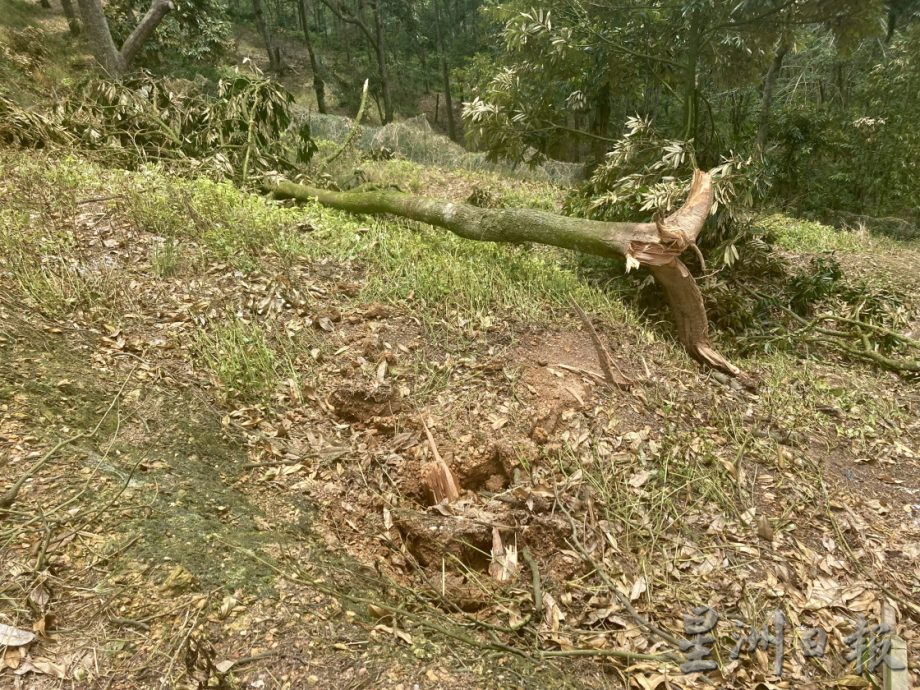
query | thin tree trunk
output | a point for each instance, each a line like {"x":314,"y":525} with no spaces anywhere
{"x":72,"y":22}
{"x":601,"y":120}
{"x":891,"y":23}
{"x":375,"y":43}
{"x":690,"y":77}
{"x":266,"y":36}
{"x":382,"y":66}
{"x":115,"y":61}
{"x":769,"y":86}
{"x":445,"y":74}
{"x":657,"y":245}
{"x":319,"y":86}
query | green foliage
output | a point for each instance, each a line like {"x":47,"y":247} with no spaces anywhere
{"x":856,"y":147}
{"x":645,"y":173}
{"x":239,"y":357}
{"x":241,"y":131}
{"x":570,"y":67}
{"x":195,"y":30}
{"x":763,"y":301}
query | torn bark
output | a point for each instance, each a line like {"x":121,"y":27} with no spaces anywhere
{"x":656,"y":245}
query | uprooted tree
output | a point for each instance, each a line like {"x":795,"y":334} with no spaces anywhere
{"x":656,"y":245}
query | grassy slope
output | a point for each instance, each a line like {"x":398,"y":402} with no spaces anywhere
{"x":228,"y":333}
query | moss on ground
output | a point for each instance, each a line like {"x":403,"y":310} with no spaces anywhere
{"x":162,"y":457}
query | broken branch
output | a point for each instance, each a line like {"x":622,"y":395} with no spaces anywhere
{"x":657,"y":245}
{"x":437,"y":475}
{"x":618,"y":379}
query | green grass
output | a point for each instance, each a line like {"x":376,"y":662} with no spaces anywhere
{"x":449,"y":277}
{"x":810,"y":236}
{"x":436,"y":275}
{"x":32,"y":64}
{"x":58,"y":288}
{"x":239,"y":357}
{"x":166,"y":257}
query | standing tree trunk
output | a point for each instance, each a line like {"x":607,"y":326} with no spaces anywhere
{"x":382,"y":66}
{"x":445,"y":73}
{"x":115,"y":61}
{"x":319,"y":86}
{"x":273,"y":55}
{"x":690,"y":86}
{"x":375,"y":43}
{"x":72,"y":22}
{"x":657,"y":245}
{"x":769,"y":86}
{"x":600,"y":123}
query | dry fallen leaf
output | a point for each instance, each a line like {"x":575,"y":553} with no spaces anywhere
{"x":639,"y":586}
{"x":41,"y":665}
{"x":13,"y":656}
{"x":396,"y":632}
{"x":639,"y":479}
{"x":224,"y":666}
{"x":14,"y":637}
{"x":553,"y":615}
{"x":764,"y":528}
{"x":39,"y":596}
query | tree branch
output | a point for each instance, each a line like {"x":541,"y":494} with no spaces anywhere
{"x":146,"y":26}
{"x":657,"y":244}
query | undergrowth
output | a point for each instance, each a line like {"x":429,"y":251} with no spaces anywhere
{"x":239,"y":357}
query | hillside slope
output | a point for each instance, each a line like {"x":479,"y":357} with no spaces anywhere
{"x":219,"y":408}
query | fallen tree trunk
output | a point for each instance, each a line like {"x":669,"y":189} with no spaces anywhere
{"x":656,"y":245}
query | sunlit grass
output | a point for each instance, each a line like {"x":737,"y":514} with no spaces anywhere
{"x":238,"y":356}
{"x":810,"y":236}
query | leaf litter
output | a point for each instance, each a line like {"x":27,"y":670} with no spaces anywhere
{"x":632,"y":506}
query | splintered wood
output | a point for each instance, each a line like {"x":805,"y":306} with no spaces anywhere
{"x":436,"y":475}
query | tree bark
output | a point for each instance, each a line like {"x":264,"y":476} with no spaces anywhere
{"x":113,"y":60}
{"x":382,"y":66}
{"x":657,"y":245}
{"x":690,"y":86}
{"x":72,"y":22}
{"x":769,"y":86}
{"x":445,"y":74}
{"x":273,"y":65}
{"x":319,"y":85}
{"x":150,"y":21}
